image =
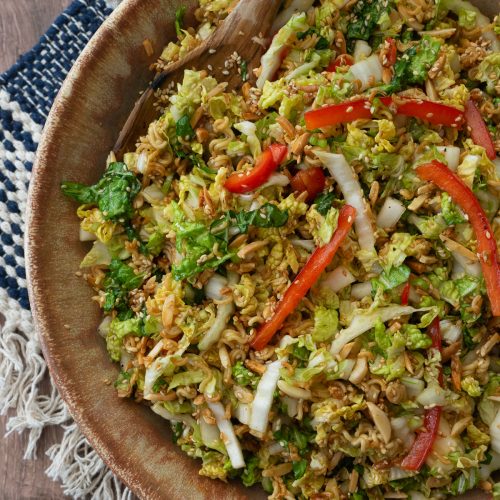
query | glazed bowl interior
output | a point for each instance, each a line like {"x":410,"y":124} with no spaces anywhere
{"x":81,"y":129}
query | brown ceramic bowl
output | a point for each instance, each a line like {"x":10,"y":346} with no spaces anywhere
{"x":92,"y":105}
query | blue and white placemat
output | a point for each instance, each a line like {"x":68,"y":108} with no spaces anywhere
{"x":27,"y":91}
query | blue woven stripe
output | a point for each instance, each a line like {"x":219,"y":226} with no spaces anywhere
{"x":37,"y":76}
{"x":33,"y":83}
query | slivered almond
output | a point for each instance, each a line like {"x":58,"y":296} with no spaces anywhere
{"x":381,"y":421}
{"x":453,"y":246}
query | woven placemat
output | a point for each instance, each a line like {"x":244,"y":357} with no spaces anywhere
{"x":27,"y":91}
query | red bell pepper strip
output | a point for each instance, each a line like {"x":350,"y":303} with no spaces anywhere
{"x":344,"y":112}
{"x":267,"y":163}
{"x":478,"y":129}
{"x":440,"y":175}
{"x":435,"y":335}
{"x":422,"y":446}
{"x":311,"y":180}
{"x":308,"y":275}
{"x":392,"y":51}
{"x":342,"y":60}
{"x":432,"y":112}
{"x":405,"y":294}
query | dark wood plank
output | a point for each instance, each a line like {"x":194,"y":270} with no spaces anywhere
{"x":22,"y":22}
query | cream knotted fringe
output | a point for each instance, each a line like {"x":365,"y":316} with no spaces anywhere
{"x":75,"y":464}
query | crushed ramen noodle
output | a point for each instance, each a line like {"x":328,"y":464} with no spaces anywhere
{"x":302,"y":276}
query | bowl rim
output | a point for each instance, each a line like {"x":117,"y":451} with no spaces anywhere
{"x":52,"y":128}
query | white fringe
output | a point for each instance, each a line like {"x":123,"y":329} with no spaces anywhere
{"x":75,"y":464}
{"x":81,"y":470}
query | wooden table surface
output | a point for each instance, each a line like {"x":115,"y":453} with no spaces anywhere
{"x":22,"y":22}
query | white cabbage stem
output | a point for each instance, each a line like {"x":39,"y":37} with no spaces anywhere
{"x":305,"y":68}
{"x":142,"y":162}
{"x":338,"y":279}
{"x":210,"y":434}
{"x":276,"y":179}
{"x":250,"y":130}
{"x":103,"y":327}
{"x":271,"y":60}
{"x":432,"y":395}
{"x":464,"y":265}
{"x":495,"y":433}
{"x":451,"y":332}
{"x":159,"y":409}
{"x":396,"y":473}
{"x":263,"y":399}
{"x":243,"y":412}
{"x":213,"y":289}
{"x":361,"y":50}
{"x":414,"y":386}
{"x":361,"y":290}
{"x":153,"y":194}
{"x":390,"y":213}
{"x":347,"y":180}
{"x":368,"y":71}
{"x":402,"y":431}
{"x":228,"y":435}
{"x":86,"y":236}
{"x":451,"y":155}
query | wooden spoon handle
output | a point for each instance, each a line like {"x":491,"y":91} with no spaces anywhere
{"x":218,"y":55}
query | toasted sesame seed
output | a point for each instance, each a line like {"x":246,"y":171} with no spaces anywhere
{"x":429,"y":115}
{"x":212,"y":51}
{"x":350,"y":109}
{"x":458,"y":119}
{"x":488,"y":235}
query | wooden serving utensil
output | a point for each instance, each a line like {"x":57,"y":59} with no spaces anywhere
{"x":248,"y":19}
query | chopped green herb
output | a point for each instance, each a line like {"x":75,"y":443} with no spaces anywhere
{"x":244,"y":70}
{"x":183,"y":128}
{"x":179,"y":20}
{"x":324,"y":202}
{"x":113,"y":194}
{"x":299,"y":468}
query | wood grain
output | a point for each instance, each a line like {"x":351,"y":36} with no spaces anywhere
{"x":22,"y":22}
